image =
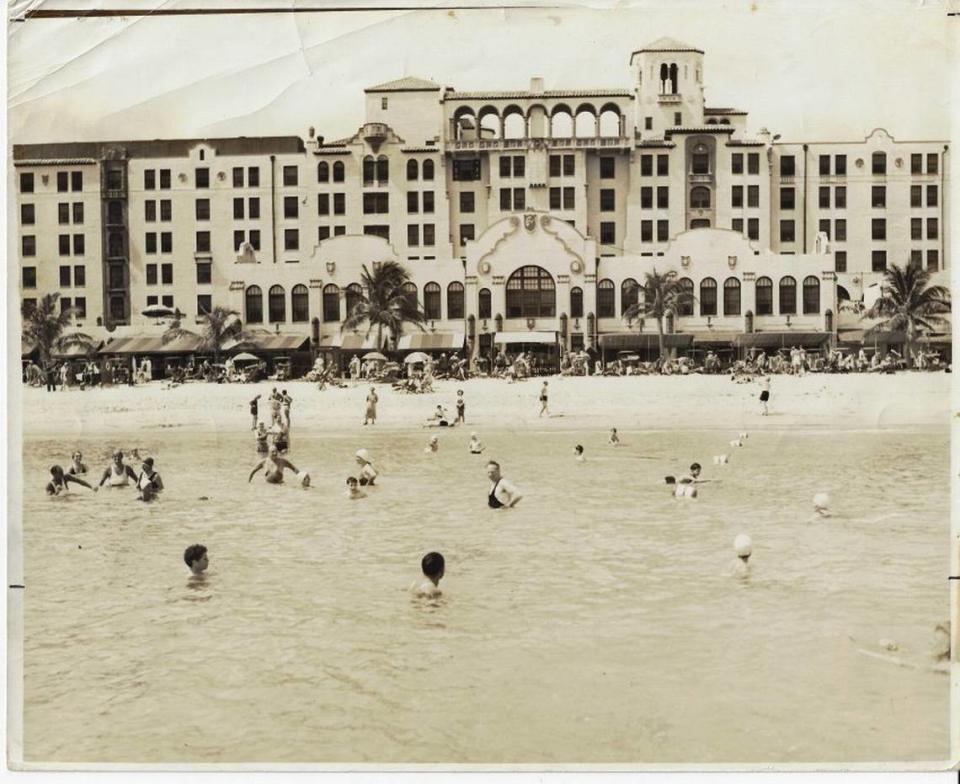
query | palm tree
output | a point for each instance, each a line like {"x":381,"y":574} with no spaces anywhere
{"x":219,"y":326}
{"x":384,"y":304}
{"x":909,"y":304}
{"x":662,"y":293}
{"x":44,"y":327}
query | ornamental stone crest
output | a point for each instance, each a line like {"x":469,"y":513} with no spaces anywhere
{"x":529,"y":222}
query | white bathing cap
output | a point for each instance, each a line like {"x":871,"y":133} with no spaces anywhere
{"x":433,"y":439}
{"x":473,"y":434}
{"x":743,"y":545}
{"x":821,"y":500}
{"x":304,"y":477}
{"x":363,"y":454}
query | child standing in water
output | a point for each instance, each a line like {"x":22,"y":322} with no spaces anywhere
{"x":432,"y":566}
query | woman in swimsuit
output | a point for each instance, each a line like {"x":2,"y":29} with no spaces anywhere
{"x":149,"y":482}
{"x":59,"y":482}
{"x":77,"y":466}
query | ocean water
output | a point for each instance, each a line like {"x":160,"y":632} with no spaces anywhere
{"x":592,"y":623}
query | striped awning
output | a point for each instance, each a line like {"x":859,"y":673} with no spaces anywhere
{"x":78,"y":351}
{"x":153,"y":344}
{"x":350,"y":342}
{"x":268,"y":342}
{"x":428,"y":341}
{"x":504,"y":338}
{"x":643,"y":340}
{"x":782,"y":339}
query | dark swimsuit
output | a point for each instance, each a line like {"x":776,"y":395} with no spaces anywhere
{"x":492,"y":501}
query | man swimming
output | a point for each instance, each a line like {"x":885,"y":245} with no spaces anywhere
{"x":59,"y":481}
{"x":195,"y":557}
{"x":118,"y":473}
{"x":503,"y":493}
{"x":273,"y":467}
{"x":262,"y":437}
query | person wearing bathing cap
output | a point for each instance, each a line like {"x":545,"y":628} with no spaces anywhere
{"x":368,"y":473}
{"x":475,"y":446}
{"x":433,"y":445}
{"x":743,"y":547}
{"x":821,"y":504}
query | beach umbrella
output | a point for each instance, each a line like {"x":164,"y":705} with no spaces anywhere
{"x":246,"y":357}
{"x":158,"y":311}
{"x":374,"y":356}
{"x":416,"y":356}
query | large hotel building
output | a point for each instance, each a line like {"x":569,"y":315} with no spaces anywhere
{"x":523,"y":216}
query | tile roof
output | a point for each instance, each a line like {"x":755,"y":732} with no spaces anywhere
{"x":452,"y":95}
{"x":405,"y":84}
{"x":667,"y":44}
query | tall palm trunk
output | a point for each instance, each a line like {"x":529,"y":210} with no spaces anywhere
{"x":660,"y":335}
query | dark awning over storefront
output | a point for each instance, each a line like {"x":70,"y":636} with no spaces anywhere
{"x":767,"y":340}
{"x":715,"y":338}
{"x":858,"y":336}
{"x":643,"y":340}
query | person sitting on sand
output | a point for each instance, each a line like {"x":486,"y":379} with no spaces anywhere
{"x":149,"y":482}
{"x":433,"y":445}
{"x":503,"y":493}
{"x":77,"y":466}
{"x":118,"y":473}
{"x":433,"y":567}
{"x":273,"y":466}
{"x":440,"y":418}
{"x":578,"y":454}
{"x":368,"y":474}
{"x":353,"y":491}
{"x":195,"y":557}
{"x":59,"y":481}
{"x":475,"y":446}
{"x":614,"y":439}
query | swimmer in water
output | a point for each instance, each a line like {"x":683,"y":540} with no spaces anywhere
{"x":685,"y":486}
{"x":368,"y":474}
{"x":432,"y":566}
{"x":578,"y":454}
{"x":59,"y":481}
{"x":263,"y":439}
{"x":433,"y":445}
{"x":475,"y":446}
{"x":821,"y":503}
{"x":273,"y":466}
{"x":353,"y":491}
{"x":195,"y":557}
{"x":118,"y":473}
{"x":614,"y":439}
{"x":149,"y":482}
{"x":743,"y":547}
{"x":503,"y":493}
{"x":77,"y":466}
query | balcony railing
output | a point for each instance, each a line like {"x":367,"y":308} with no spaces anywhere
{"x":704,"y":178}
{"x":553,"y":142}
{"x":670,"y":98}
{"x":116,"y":193}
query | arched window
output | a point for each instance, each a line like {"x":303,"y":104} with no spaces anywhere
{"x":811,"y":294}
{"x":576,"y":302}
{"x":514,"y":123}
{"x":353,"y":297}
{"x":277,"y":303}
{"x":428,"y":170}
{"x":484,"y":306}
{"x":254,"y":305}
{"x":410,"y":294}
{"x":664,"y":77}
{"x":724,"y":121}
{"x":585,"y":122}
{"x":629,"y":294}
{"x":606,"y":295}
{"x":338,"y":171}
{"x":842,"y":293}
{"x":731,"y":297}
{"x":673,"y":78}
{"x":489,"y":123}
{"x":700,"y":198}
{"x":323,"y":172}
{"x":788,"y":295}
{"x":369,"y":170}
{"x":383,"y":170}
{"x":712,"y":121}
{"x":455,"y":300}
{"x":331,"y":302}
{"x":300,"y":303}
{"x":431,"y":300}
{"x":685,"y":299}
{"x":764,"y":297}
{"x":609,"y":124}
{"x":708,"y":297}
{"x":412,"y":169}
{"x":561,"y":122}
{"x":531,"y":292}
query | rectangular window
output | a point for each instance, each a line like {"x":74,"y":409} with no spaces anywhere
{"x":878,"y":229}
{"x":253,"y":208}
{"x":80,"y":306}
{"x":466,"y":233}
{"x":79,"y":275}
{"x":205,"y":301}
{"x":555,"y":163}
{"x":237,"y":176}
{"x":238,"y":208}
{"x":878,"y":196}
{"x":151,"y":275}
{"x":932,"y":228}
{"x":466,"y":201}
{"x":166,"y":210}
{"x":166,"y":274}
{"x":646,"y":165}
{"x":916,"y":228}
{"x":663,"y":230}
{"x":253,"y":176}
{"x":63,"y":213}
{"x":519,"y":166}
{"x":238,"y":237}
{"x":63,"y":182}
{"x":840,"y":261}
{"x":933,"y":260}
{"x":76,"y":181}
{"x":737,"y":225}
{"x":663,"y":197}
{"x":568,"y":165}
{"x":376,"y":203}
{"x":27,"y":215}
{"x":700,"y":163}
{"x":608,"y":168}
{"x":291,"y":207}
{"x":823,"y":226}
{"x":152,"y":299}
{"x":608,"y":233}
{"x":339,"y":203}
{"x":291,"y":239}
{"x":519,"y":198}
{"x":878,"y":260}
{"x":840,"y":165}
{"x":506,"y":198}
{"x":65,"y":276}
{"x":28,"y":246}
{"x":753,"y":163}
{"x":166,"y":242}
{"x":290,"y":176}
{"x":149,"y":179}
{"x":840,"y":230}
{"x":413,"y":235}
{"x":753,"y":195}
{"x":150,"y":211}
{"x":504,"y":165}
{"x":879,"y":165}
{"x":204,"y":270}
{"x":167,"y":300}
{"x":916,"y":163}
{"x":787,"y":166}
{"x":79,"y":245}
{"x":787,"y":231}
{"x":63,"y":242}
{"x":26,"y":182}
{"x":663,"y":165}
{"x":254,"y":239}
{"x":323,"y":233}
{"x":753,"y":228}
{"x":429,"y":235}
{"x":29,"y":277}
{"x":787,"y":198}
{"x":413,"y":202}
{"x":932,"y":196}
{"x":608,"y":200}
{"x":164,"y":179}
{"x":556,"y":199}
{"x":840,"y":197}
{"x":646,"y":198}
{"x":933,"y":163}
{"x":202,"y":178}
{"x":646,"y":231}
{"x":568,"y":198}
{"x":736,"y":163}
{"x":65,"y":304}
{"x":203,"y":242}
{"x":648,"y":123}
{"x":677,"y":119}
{"x":824,"y":165}
{"x":203,"y":209}
{"x":824,"y":193}
{"x":466,"y":170}
{"x":916,"y":195}
{"x":916,"y":258}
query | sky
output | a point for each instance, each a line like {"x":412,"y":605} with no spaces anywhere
{"x":813,"y":71}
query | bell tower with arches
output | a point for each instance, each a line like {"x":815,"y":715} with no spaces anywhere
{"x":668,"y":80}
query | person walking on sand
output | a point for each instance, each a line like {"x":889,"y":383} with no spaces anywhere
{"x":543,"y":400}
{"x":371,"y":415}
{"x":765,"y":395}
{"x":253,"y":411}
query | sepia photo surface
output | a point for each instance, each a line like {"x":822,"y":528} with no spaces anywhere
{"x":480,"y":386}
